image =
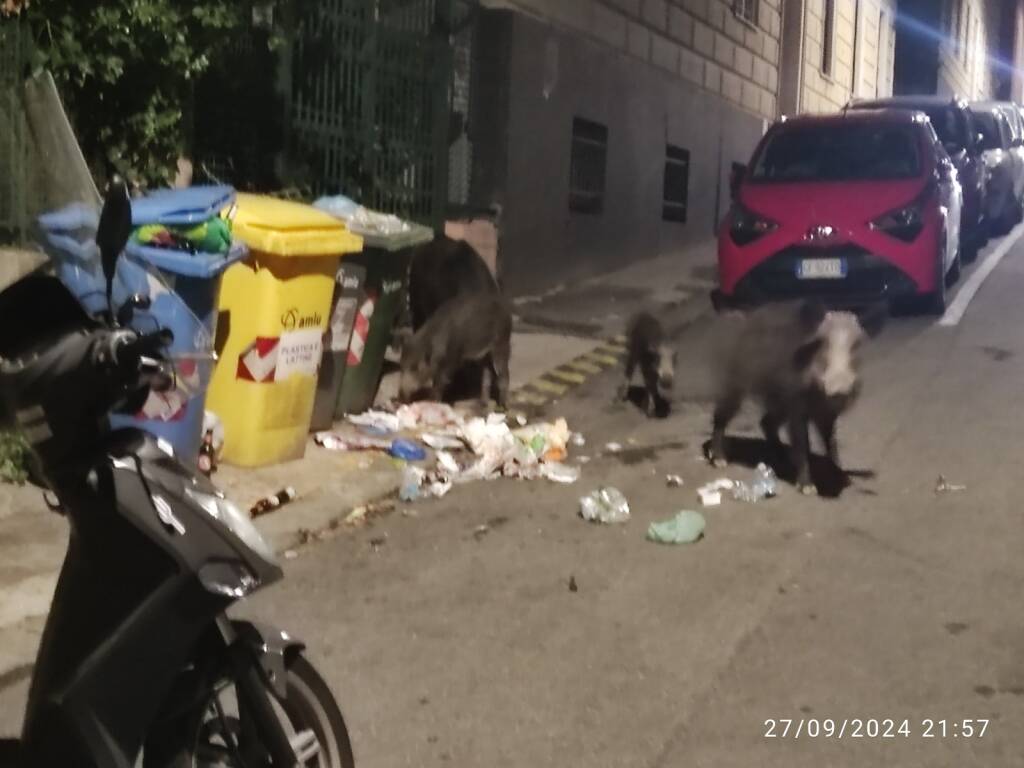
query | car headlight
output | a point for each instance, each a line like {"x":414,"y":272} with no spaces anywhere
{"x":235,"y":520}
{"x":904,"y":223}
{"x":745,"y":226}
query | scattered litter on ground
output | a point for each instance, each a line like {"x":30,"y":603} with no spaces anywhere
{"x":378,"y":542}
{"x":673,"y":481}
{"x":560,"y":473}
{"x":466,"y":448}
{"x":944,"y":486}
{"x":335,"y":442}
{"x":407,"y":450}
{"x":572,"y":584}
{"x":521,"y":420}
{"x":711,"y":493}
{"x":764,"y":486}
{"x":613,"y":447}
{"x":480,"y":531}
{"x":578,"y":440}
{"x":269,"y":503}
{"x":442,"y":442}
{"x":582,"y":459}
{"x":290,"y":554}
{"x":685,"y":528}
{"x":356,"y":517}
{"x":605,"y":505}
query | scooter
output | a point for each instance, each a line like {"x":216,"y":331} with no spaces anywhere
{"x":139,"y":664}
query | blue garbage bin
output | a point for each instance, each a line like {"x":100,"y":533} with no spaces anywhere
{"x":183,"y":289}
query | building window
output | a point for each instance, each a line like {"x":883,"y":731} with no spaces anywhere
{"x":587,"y":166}
{"x":828,"y":38}
{"x":676,"y":191}
{"x":746,"y":10}
{"x":963,"y":36}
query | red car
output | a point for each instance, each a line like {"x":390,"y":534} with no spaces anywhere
{"x":850,"y":208}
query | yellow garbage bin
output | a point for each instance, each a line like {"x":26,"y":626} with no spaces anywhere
{"x":274,"y":310}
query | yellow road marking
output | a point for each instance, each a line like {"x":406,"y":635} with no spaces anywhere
{"x":549,"y":386}
{"x":570,"y":376}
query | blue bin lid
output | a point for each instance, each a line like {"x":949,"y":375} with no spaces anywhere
{"x":201,"y":265}
{"x":179,"y":207}
{"x":70,"y":218}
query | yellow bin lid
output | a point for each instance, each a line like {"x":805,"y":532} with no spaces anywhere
{"x":286,"y":228}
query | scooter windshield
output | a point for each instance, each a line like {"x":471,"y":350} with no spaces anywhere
{"x":67,"y":207}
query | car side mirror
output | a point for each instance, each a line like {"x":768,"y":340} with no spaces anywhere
{"x":114,"y":229}
{"x":736,"y":176}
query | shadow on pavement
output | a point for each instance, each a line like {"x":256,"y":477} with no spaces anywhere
{"x":829,"y":479}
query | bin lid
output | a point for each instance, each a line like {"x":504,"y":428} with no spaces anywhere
{"x":201,"y":265}
{"x":286,"y":228}
{"x":180,"y":207}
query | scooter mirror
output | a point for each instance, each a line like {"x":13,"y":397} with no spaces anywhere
{"x":115,"y":228}
{"x":127,"y":310}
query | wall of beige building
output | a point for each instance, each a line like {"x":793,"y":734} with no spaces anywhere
{"x":971,"y":30}
{"x":729,"y":48}
{"x":848,"y":51}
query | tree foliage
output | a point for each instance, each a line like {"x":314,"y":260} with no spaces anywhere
{"x":125,"y":69}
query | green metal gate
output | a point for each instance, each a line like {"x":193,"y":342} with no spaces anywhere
{"x":14,"y":162}
{"x":369,"y":102}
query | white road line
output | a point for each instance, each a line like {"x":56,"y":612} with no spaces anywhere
{"x":955,"y":311}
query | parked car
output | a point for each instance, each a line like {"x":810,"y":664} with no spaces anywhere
{"x":952,"y":121}
{"x":850,"y":208}
{"x":1002,"y":203}
{"x":1015,"y":120}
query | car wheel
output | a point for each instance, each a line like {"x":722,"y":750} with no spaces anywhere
{"x":937,"y":301}
{"x":953,"y":276}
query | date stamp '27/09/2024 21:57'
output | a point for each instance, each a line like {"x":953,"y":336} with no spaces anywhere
{"x":874,"y":728}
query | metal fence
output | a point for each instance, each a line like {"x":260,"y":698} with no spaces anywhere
{"x":14,"y":144}
{"x":369,"y":102}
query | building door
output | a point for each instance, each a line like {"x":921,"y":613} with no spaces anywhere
{"x":791,"y":70}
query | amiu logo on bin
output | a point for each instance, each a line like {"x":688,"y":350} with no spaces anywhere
{"x":292,"y":320}
{"x":390,"y":286}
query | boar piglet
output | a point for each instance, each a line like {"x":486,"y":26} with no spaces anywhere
{"x":646,"y":349}
{"x":468,"y":328}
{"x":802,"y":363}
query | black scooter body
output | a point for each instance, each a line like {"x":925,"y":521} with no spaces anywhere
{"x":107,"y":663}
{"x":136,"y":638}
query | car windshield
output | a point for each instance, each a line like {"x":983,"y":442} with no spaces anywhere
{"x":948,"y":125}
{"x":840,"y":152}
{"x":987,"y":126}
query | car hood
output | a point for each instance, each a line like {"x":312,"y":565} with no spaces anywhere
{"x":838,"y":204}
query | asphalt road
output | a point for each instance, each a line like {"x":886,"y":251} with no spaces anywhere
{"x":883,"y":600}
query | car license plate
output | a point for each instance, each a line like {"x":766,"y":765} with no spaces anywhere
{"x":821,"y":269}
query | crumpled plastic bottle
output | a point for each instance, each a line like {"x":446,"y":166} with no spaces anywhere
{"x":412,"y":478}
{"x":765,"y":485}
{"x":605,"y":505}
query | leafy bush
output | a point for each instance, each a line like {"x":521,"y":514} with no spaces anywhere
{"x":126,"y":69}
{"x":14,"y":453}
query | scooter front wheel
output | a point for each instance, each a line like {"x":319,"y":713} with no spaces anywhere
{"x":222,"y":735}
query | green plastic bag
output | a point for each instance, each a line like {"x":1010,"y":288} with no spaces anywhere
{"x":685,"y":528}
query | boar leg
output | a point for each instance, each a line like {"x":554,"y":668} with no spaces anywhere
{"x":651,"y":385}
{"x":499,"y":368}
{"x":623,"y":392}
{"x":798,"y":435}
{"x":725,"y":410}
{"x":770,"y":424}
{"x":826,"y":425}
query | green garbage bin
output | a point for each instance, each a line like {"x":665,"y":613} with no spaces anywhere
{"x":353,"y":373}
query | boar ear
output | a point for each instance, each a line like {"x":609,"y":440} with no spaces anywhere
{"x":812,"y":314}
{"x":805,"y":354}
{"x":874,"y":318}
